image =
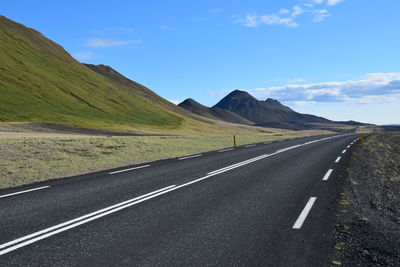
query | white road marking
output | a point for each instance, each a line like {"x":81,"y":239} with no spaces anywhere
{"x":303,"y":215}
{"x":189,"y":157}
{"x":225,"y":150}
{"x":288,"y":148}
{"x":344,"y":151}
{"x":328,"y":173}
{"x":348,"y":146}
{"x":242,"y":163}
{"x":338,"y":159}
{"x":25,"y":191}
{"x":250,"y":145}
{"x":266,"y":143}
{"x":29,"y":239}
{"x":130,"y":169}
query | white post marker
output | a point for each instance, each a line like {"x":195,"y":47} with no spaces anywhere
{"x":303,"y":215}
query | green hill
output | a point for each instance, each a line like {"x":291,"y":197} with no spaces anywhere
{"x":41,"y":82}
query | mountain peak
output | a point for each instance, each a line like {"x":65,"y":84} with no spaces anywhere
{"x":273,"y":101}
{"x":191,"y":104}
{"x":239,"y":94}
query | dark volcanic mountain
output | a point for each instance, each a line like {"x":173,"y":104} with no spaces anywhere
{"x":213,"y":113}
{"x":270,"y":113}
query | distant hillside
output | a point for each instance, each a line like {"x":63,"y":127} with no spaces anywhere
{"x":213,"y":113}
{"x":41,"y":82}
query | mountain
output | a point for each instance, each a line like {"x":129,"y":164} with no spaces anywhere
{"x":269,"y":113}
{"x":213,"y":113}
{"x":41,"y":82}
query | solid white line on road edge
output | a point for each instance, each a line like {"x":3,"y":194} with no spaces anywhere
{"x":344,"y":151}
{"x":237,"y":165}
{"x":328,"y":173}
{"x":303,"y":215}
{"x":250,"y":145}
{"x":25,"y":191}
{"x":288,"y":148}
{"x":338,"y":159}
{"x":225,"y":150}
{"x":78,"y":221}
{"x":130,"y":169}
{"x":189,"y":157}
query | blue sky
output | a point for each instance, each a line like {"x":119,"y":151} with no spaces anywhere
{"x":337,"y":59}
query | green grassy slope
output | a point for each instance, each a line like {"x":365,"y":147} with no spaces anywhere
{"x":41,"y":82}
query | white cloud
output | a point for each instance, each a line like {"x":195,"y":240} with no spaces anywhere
{"x":274,"y":19}
{"x":84,"y":55}
{"x":176,"y":102}
{"x":289,"y":17}
{"x":97,"y":42}
{"x":333,"y":2}
{"x":320,"y":15}
{"x":250,"y":21}
{"x":297,"y":10}
{"x":283,"y":11}
{"x":296,"y":81}
{"x":373,"y":88}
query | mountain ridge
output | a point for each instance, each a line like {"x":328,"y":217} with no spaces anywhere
{"x":213,"y":112}
{"x":268,"y":113}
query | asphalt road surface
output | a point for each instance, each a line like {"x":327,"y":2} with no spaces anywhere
{"x":268,"y":204}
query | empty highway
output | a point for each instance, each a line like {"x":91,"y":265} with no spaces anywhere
{"x":267,"y":204}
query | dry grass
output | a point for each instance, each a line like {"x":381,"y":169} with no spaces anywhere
{"x":24,"y":161}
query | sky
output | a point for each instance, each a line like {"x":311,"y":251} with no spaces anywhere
{"x":334,"y":58}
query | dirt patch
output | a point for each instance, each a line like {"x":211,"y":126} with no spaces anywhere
{"x":367,"y":230}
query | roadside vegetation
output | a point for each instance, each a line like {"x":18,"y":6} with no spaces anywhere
{"x":367,"y":231}
{"x":25,"y":161}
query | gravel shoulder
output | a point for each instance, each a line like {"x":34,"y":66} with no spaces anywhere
{"x":367,"y":229}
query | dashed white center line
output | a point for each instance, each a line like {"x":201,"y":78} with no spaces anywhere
{"x":225,"y":150}
{"x":189,"y":157}
{"x":303,"y":215}
{"x":250,"y":145}
{"x":344,"y":151}
{"x":328,"y":173}
{"x":338,"y":159}
{"x":25,"y":191}
{"x":348,"y":146}
{"x":130,"y":169}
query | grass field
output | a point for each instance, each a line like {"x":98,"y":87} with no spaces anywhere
{"x":31,"y":160}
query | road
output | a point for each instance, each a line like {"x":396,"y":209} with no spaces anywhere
{"x":268,"y":204}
